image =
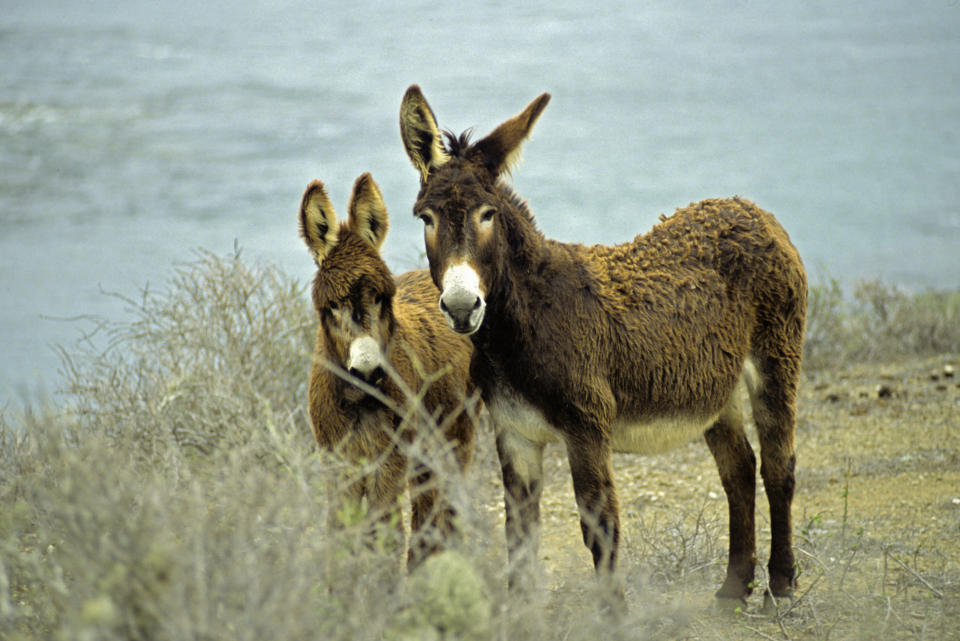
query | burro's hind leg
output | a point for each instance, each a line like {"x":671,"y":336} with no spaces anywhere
{"x":773,"y":398}
{"x":738,"y":473}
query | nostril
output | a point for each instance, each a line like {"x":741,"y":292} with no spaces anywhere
{"x":443,"y":307}
{"x":476,"y":303}
{"x":373,"y":377}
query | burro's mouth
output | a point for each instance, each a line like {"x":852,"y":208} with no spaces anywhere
{"x":468,"y":323}
{"x":365,"y":365}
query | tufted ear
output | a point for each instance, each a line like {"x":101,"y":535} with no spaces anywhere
{"x":318,"y":221}
{"x":368,"y":214}
{"x":420,"y":134}
{"x":500,"y":150}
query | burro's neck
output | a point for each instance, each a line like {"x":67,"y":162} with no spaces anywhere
{"x":527,"y":282}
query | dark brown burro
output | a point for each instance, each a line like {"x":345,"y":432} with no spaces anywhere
{"x":633,"y":348}
{"x":389,"y":388}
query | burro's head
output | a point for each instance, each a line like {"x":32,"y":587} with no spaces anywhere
{"x":353,"y":289}
{"x":468,"y":214}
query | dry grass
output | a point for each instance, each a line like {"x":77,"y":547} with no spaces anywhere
{"x":177,"y":494}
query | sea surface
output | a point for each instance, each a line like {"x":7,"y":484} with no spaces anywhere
{"x":133,"y":133}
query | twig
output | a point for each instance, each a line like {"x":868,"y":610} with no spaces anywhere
{"x":883,"y":581}
{"x":846,"y":567}
{"x":813,"y":557}
{"x":762,"y":634}
{"x":919,"y":578}
{"x":816,"y":618}
{"x":846,"y":500}
{"x":800,"y":598}
{"x":886,"y":616}
{"x":779,"y":618}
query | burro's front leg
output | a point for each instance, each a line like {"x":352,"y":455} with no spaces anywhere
{"x":596,"y":499}
{"x":521,"y":462}
{"x":385,"y":485}
{"x":592,"y":472}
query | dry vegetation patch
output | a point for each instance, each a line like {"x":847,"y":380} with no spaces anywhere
{"x":177,"y":495}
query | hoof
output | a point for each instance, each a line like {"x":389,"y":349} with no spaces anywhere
{"x":734,"y":590}
{"x":729,"y":605}
{"x":614,"y":604}
{"x":612,"y":594}
{"x":782,"y":586}
{"x":773,"y":602}
{"x":778,"y":593}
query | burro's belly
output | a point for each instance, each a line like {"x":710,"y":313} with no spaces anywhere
{"x":527,"y":426}
{"x":514,"y":414}
{"x":659,"y":434}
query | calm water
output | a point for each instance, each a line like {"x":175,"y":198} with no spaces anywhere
{"x":132,"y":133}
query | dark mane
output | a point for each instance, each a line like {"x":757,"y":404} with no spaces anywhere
{"x":458,"y":146}
{"x":520,"y":204}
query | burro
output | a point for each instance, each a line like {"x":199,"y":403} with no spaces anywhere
{"x":636,"y":347}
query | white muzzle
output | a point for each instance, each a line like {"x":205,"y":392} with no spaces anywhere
{"x":365,"y":360}
{"x":461,"y":301}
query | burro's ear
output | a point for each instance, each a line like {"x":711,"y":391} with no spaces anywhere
{"x":318,"y":221}
{"x":420,"y":134}
{"x":501,"y":149}
{"x":368,"y":214}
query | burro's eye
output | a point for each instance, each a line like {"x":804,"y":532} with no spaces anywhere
{"x":333,"y":306}
{"x":427,"y":217}
{"x":485,"y":213}
{"x":378,"y":298}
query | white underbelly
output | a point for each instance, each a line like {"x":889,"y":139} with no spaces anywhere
{"x":512,"y":413}
{"x":657,"y":435}
{"x":515,"y":415}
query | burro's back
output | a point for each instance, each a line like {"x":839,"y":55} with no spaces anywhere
{"x":389,"y":389}
{"x":694,"y":296}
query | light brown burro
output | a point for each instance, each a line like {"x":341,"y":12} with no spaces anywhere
{"x":636,"y":347}
{"x":381,"y":346}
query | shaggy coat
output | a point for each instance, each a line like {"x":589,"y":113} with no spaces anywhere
{"x":637,"y":347}
{"x":380,"y":343}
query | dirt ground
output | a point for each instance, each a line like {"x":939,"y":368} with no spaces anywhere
{"x":876,"y":511}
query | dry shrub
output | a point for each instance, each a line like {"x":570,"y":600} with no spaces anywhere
{"x":879,"y":322}
{"x":216,"y":359}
